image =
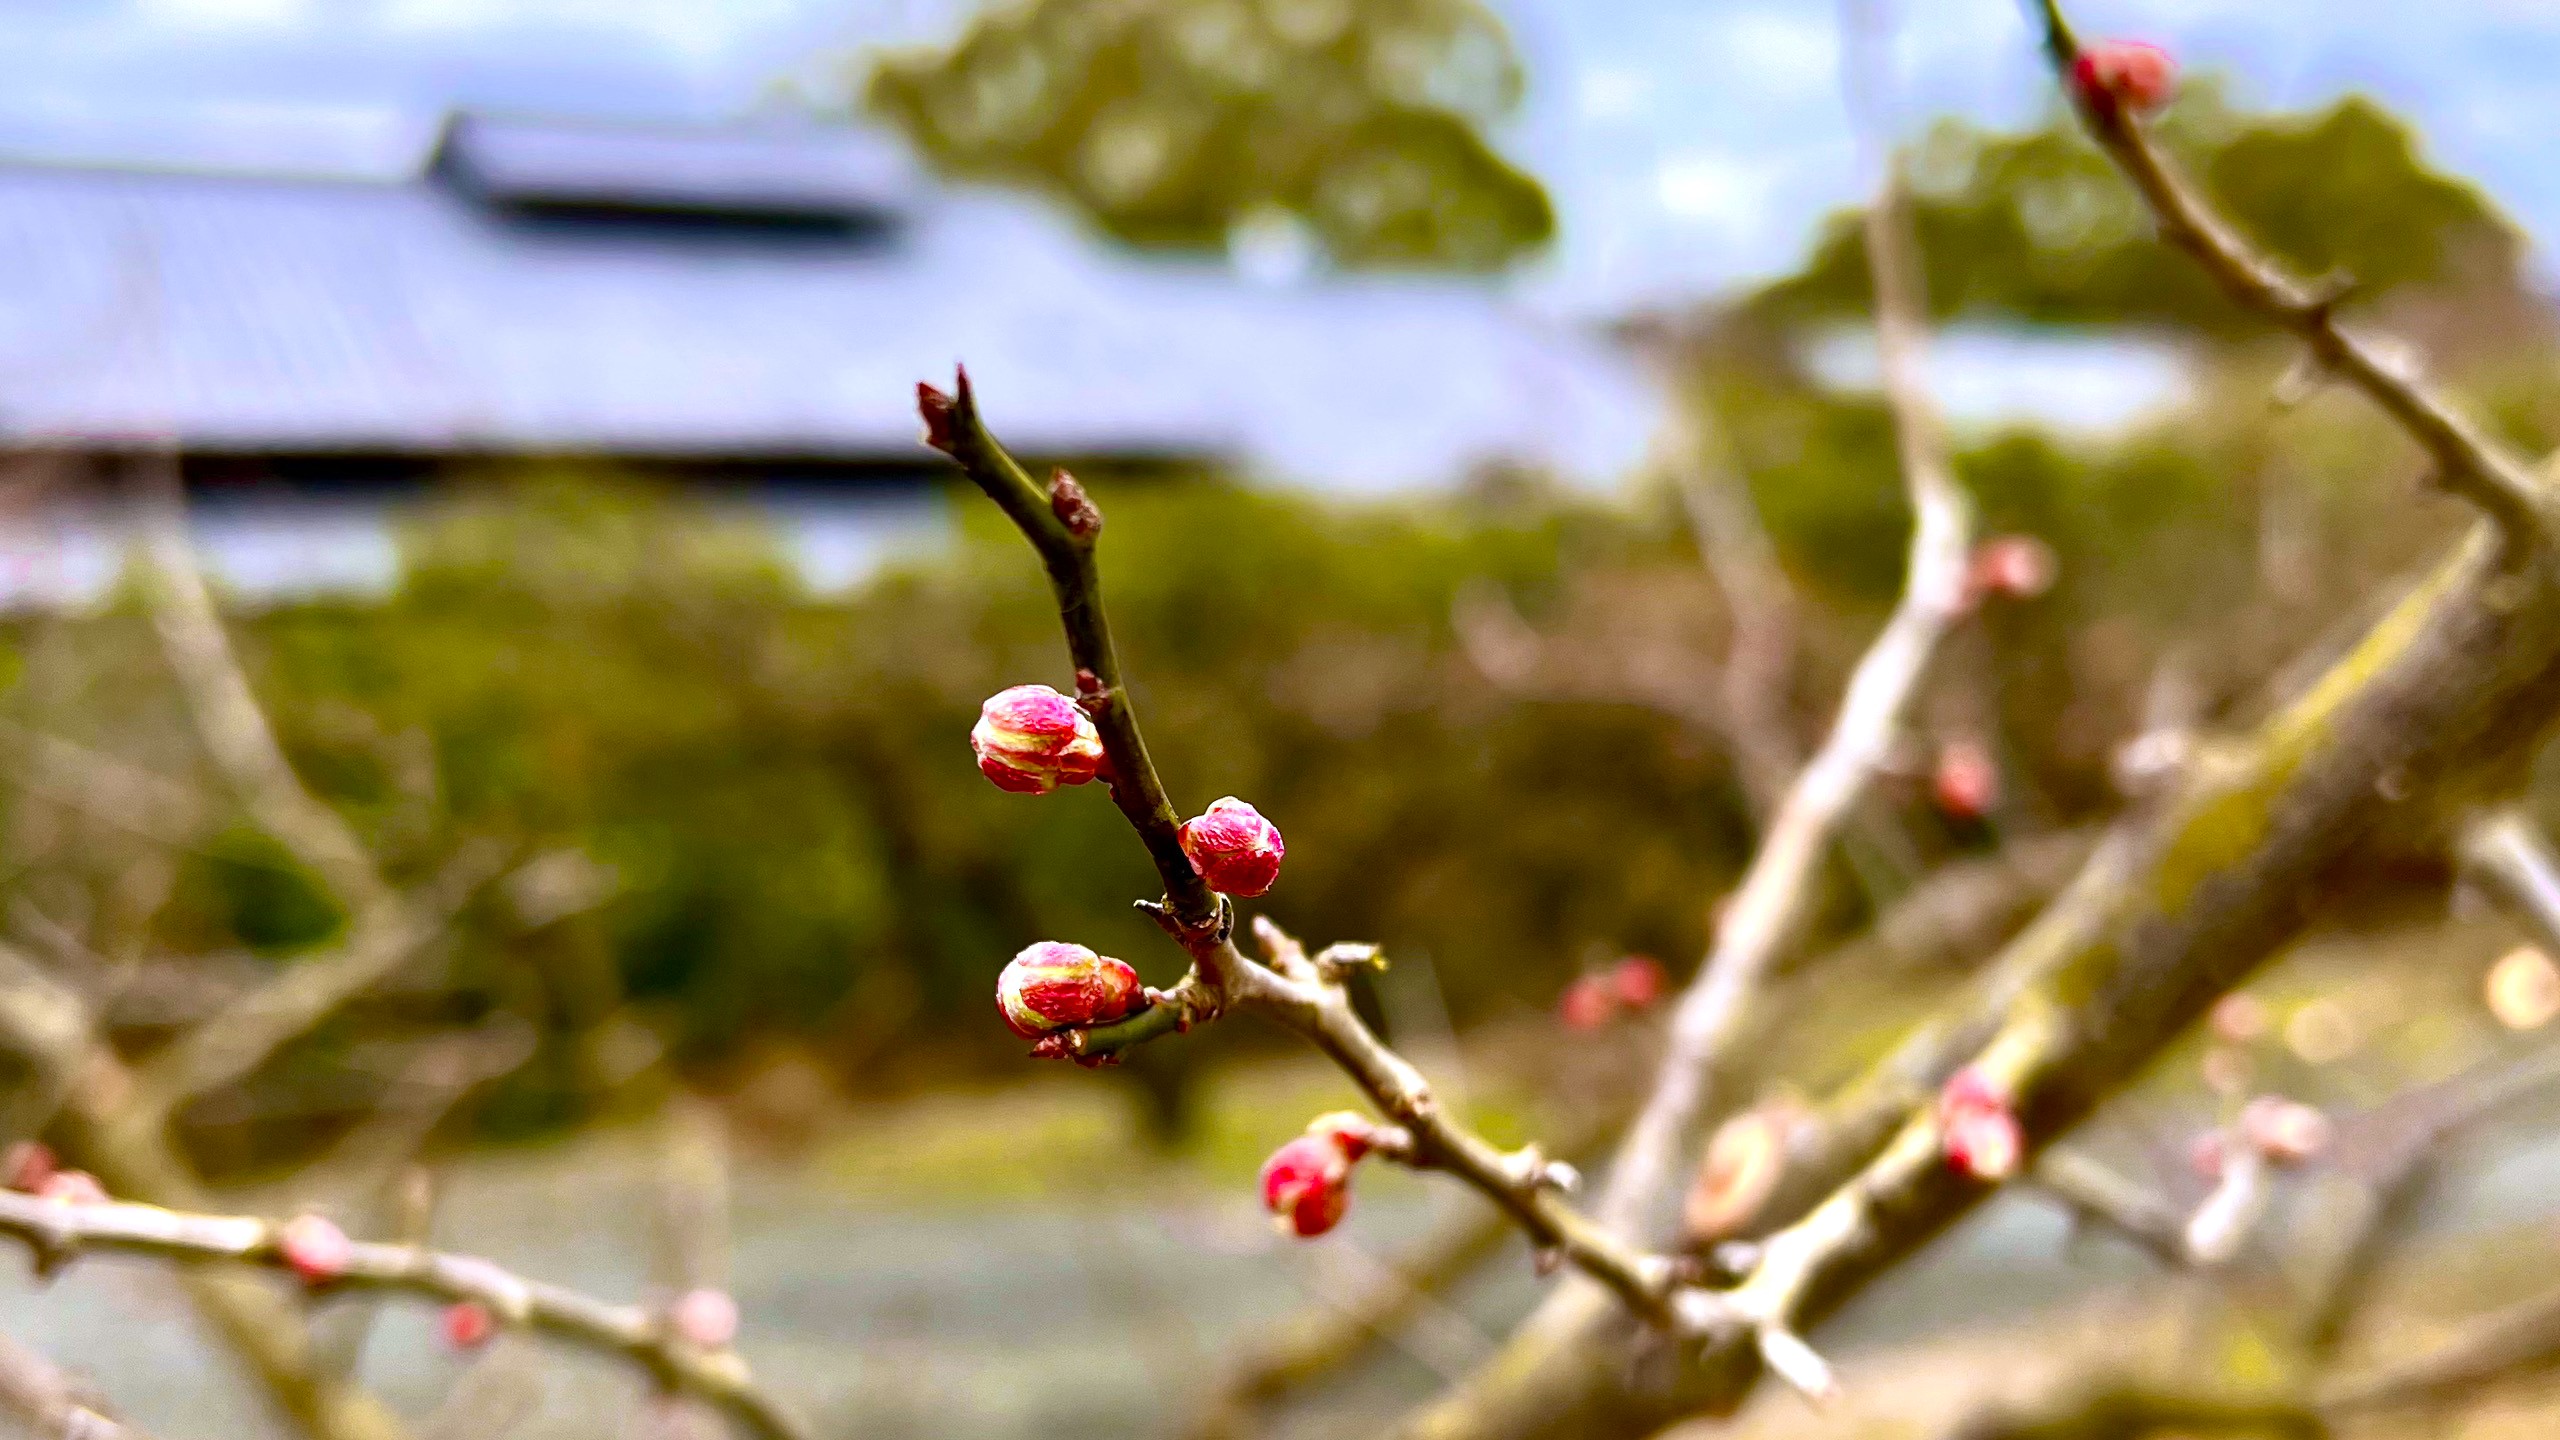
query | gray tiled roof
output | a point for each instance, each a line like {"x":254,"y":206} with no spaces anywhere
{"x":235,"y":313}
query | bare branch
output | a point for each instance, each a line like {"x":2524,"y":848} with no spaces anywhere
{"x":2468,"y":461}
{"x":1771,"y":900}
{"x":35,"y":1390}
{"x":2506,"y":852}
{"x":231,"y":1044}
{"x":58,"y":1231}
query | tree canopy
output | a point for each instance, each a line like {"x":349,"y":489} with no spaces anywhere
{"x":1169,"y":123}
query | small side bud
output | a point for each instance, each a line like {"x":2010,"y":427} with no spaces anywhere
{"x":1053,"y":985}
{"x":314,"y":1248}
{"x":1966,"y":784}
{"x":2129,"y":73}
{"x":1589,"y":1003}
{"x":2287,"y":1132}
{"x":72,"y":1187}
{"x":1030,"y":740}
{"x":2016,"y":567}
{"x":1074,"y":508}
{"x":26,"y":1165}
{"x":1738,"y":1175}
{"x":704,"y":1318}
{"x":467,"y":1325}
{"x":1639,"y":982}
{"x":1978,"y":1128}
{"x":940,"y":412}
{"x":1306,"y":1185}
{"x":1233,"y":848}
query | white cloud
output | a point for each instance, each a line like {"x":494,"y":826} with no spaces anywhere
{"x":1712,"y":188}
{"x":1612,"y":92}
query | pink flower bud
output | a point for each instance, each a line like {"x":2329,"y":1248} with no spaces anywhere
{"x":2287,"y":1132}
{"x":2130,"y":73}
{"x":315,"y":1248}
{"x":1978,"y":1127}
{"x":1307,"y":1185}
{"x":1031,"y":740}
{"x":2205,"y":1155}
{"x":1053,"y":985}
{"x":2019,"y":567}
{"x":1739,"y":1174}
{"x":1639,"y":981}
{"x":1587,"y":1004}
{"x":467,"y":1325}
{"x":705,"y":1319}
{"x":2239,"y":1018}
{"x":72,"y":1187}
{"x":1233,"y":847}
{"x":1966,"y":783}
{"x":26,"y":1165}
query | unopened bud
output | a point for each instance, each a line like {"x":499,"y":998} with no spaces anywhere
{"x":1030,"y":739}
{"x":2019,"y":567}
{"x":1233,"y":848}
{"x":1739,"y":1174}
{"x":2287,"y":1132}
{"x":2239,"y":1018}
{"x":2138,"y":76}
{"x":1978,"y":1127}
{"x":467,"y":1325}
{"x":704,"y":1318}
{"x":1053,"y":985}
{"x":1587,"y":1004}
{"x":26,"y":1165}
{"x":1639,"y":981}
{"x":72,"y":1187}
{"x":315,"y":1248}
{"x":1966,"y":784}
{"x":1306,"y":1185}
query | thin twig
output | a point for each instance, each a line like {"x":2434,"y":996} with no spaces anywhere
{"x":1775,"y":892}
{"x":1302,"y":994}
{"x":57,"y":1231}
{"x":2468,"y":461}
{"x":36,"y":1391}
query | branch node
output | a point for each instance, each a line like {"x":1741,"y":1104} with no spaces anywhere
{"x":1078,"y":513}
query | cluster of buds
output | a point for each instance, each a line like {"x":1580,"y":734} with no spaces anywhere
{"x":1031,"y":740}
{"x":30,"y":1168}
{"x":1978,"y":1127}
{"x":1633,"y":985}
{"x":1232,"y":848}
{"x":1965,"y":782}
{"x":1306,"y":1184}
{"x":314,"y":1248}
{"x":2126,"y":73}
{"x":1053,"y":985}
{"x":2014,"y":567}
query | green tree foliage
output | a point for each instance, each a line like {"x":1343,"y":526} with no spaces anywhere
{"x":1169,"y":122}
{"x":2037,"y":227}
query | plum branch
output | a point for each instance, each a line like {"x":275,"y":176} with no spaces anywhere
{"x":58,"y":1231}
{"x":1304,"y":993}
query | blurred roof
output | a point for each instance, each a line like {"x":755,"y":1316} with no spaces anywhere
{"x":541,"y":287}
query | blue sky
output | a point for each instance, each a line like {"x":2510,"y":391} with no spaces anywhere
{"x":1690,"y":143}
